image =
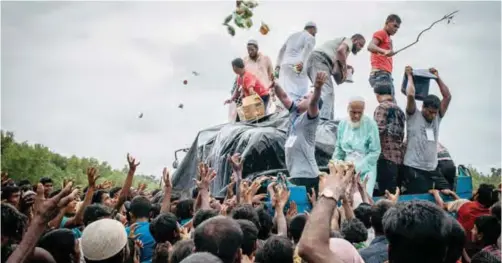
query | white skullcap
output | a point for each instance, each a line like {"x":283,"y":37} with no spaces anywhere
{"x":356,"y":99}
{"x":253,"y":42}
{"x":310,"y":24}
{"x":103,"y":239}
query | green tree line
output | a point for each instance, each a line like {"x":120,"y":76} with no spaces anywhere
{"x":493,"y":177}
{"x":22,"y":160}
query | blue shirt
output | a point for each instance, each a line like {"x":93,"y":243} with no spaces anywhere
{"x":75,"y":230}
{"x":377,"y":251}
{"x":143,"y":229}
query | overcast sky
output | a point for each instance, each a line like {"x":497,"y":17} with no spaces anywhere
{"x":76,"y":75}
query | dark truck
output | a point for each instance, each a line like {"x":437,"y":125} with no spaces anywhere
{"x":261,"y":144}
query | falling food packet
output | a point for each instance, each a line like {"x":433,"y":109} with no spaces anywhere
{"x":180,"y":106}
{"x":228,"y":19}
{"x":231,"y":30}
{"x":264,"y":28}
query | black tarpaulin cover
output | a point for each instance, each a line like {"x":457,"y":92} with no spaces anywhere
{"x":261,"y":144}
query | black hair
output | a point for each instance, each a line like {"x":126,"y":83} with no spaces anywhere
{"x":95,"y":212}
{"x":155,"y":192}
{"x":202,"y":257}
{"x":140,"y":207}
{"x":487,"y":195}
{"x":114,"y":191}
{"x":155,"y":210}
{"x":431,"y":101}
{"x":46,"y":180}
{"x":165,"y":228}
{"x":277,"y":249}
{"x":250,"y":235}
{"x":495,"y":210}
{"x":296,"y":226}
{"x":354,"y":231}
{"x":377,"y":212}
{"x":97,"y":197}
{"x":60,"y":243}
{"x":195,"y":192}
{"x":393,"y":18}
{"x":185,"y":209}
{"x":266,"y":223}
{"x":456,"y":242}
{"x":415,"y":227}
{"x":14,"y":223}
{"x":383,"y":88}
{"x":8,"y":190}
{"x":246,"y":211}
{"x":220,"y":236}
{"x":489,"y":226}
{"x":309,"y":27}
{"x":203,"y":215}
{"x":24,"y":182}
{"x":181,"y":250}
{"x":484,"y":257}
{"x":238,"y":63}
{"x":363,"y":213}
{"x":357,"y":36}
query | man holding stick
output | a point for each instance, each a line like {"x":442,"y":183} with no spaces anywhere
{"x":381,"y":53}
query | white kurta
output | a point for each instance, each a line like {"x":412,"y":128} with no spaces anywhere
{"x":296,"y":50}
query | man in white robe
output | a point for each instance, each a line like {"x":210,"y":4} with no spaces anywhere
{"x":292,"y":61}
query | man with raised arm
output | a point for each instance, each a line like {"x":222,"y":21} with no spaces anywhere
{"x":422,"y":132}
{"x":300,"y":143}
{"x":291,"y":61}
{"x":381,"y":53}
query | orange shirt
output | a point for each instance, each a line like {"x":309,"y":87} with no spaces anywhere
{"x":248,"y":80}
{"x":379,"y":61}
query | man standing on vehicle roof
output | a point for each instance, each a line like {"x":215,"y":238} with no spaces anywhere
{"x":381,"y":49}
{"x":300,"y":144}
{"x":422,"y":132}
{"x":291,"y":61}
{"x":324,"y":58}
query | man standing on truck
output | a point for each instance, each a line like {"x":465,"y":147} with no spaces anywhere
{"x":292,"y":59}
{"x":422,"y":132}
{"x":391,"y":122}
{"x":382,"y":51}
{"x":357,"y":140}
{"x":300,"y":143}
{"x":324,"y":58}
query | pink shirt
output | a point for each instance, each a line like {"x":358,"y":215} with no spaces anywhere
{"x":261,"y":67}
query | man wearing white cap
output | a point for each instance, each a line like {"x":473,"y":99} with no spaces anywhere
{"x":292,"y":58}
{"x":331,"y":54}
{"x":358,"y":140}
{"x":105,"y":240}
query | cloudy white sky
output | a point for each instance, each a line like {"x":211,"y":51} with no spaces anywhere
{"x":75,"y":75}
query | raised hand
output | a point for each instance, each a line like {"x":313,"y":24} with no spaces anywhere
{"x":207,"y":176}
{"x":393,"y":197}
{"x":313,"y":197}
{"x":132,"y":163}
{"x":92,"y":176}
{"x":434,"y":72}
{"x":320,"y":79}
{"x":408,"y":70}
{"x":236,"y":162}
{"x":5,"y":179}
{"x":292,"y":210}
{"x":47,"y":209}
{"x":166,"y":178}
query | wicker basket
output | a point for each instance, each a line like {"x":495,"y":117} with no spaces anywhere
{"x":252,"y":108}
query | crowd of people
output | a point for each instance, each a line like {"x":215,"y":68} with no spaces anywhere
{"x":103,"y":223}
{"x":42,"y":222}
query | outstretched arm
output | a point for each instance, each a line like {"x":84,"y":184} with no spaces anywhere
{"x":411,"y":105}
{"x":445,"y":92}
{"x":282,"y":95}
{"x":313,"y":110}
{"x":281,"y":54}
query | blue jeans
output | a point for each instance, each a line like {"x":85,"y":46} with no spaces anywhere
{"x":382,"y":77}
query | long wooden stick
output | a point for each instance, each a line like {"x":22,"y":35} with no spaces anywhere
{"x":448,"y":16}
